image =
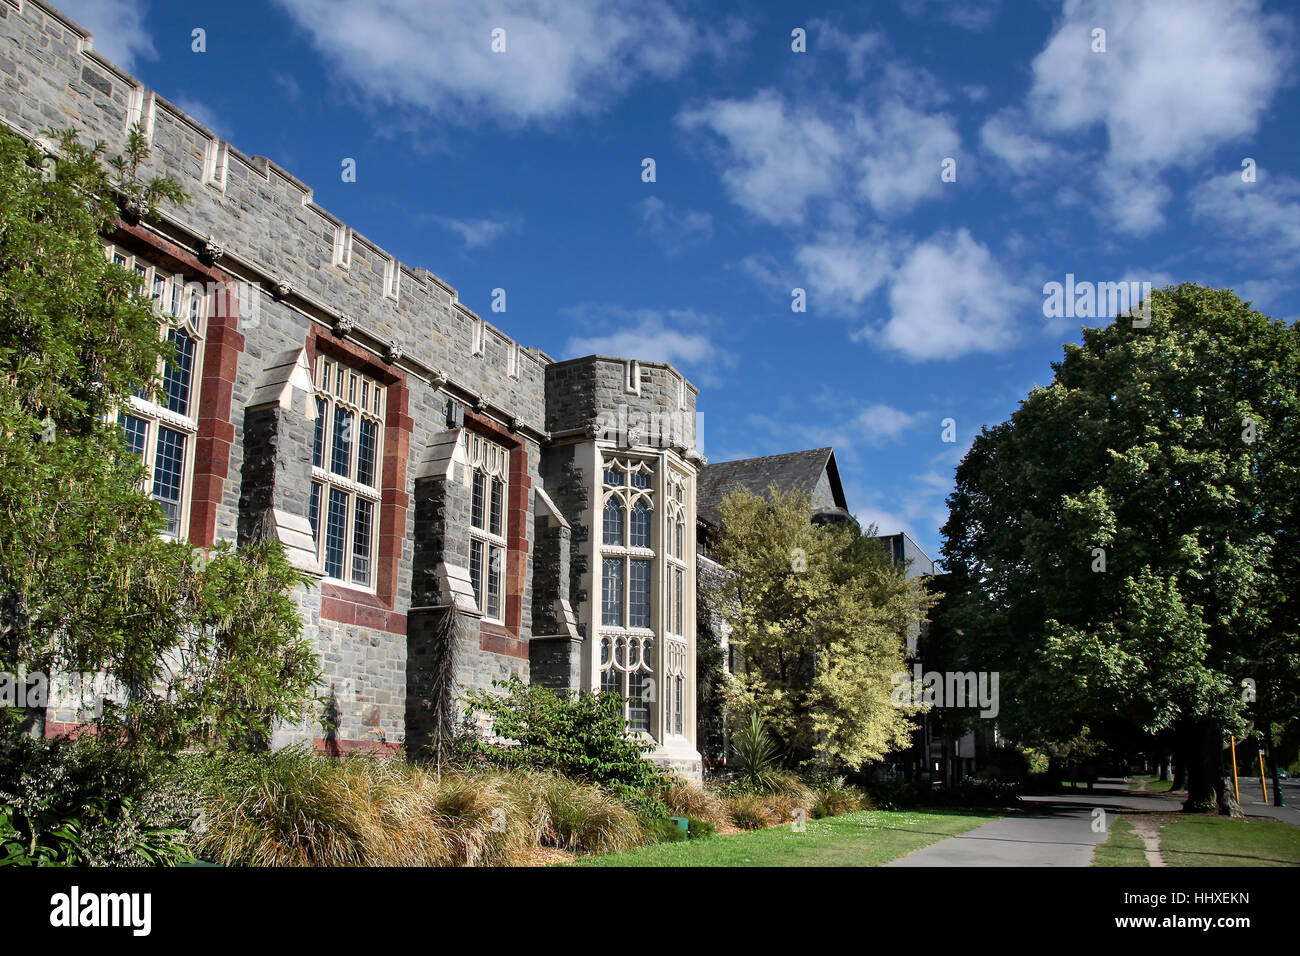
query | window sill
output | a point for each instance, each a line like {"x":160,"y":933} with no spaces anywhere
{"x":352,"y":592}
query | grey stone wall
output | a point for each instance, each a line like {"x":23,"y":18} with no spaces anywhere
{"x":632,"y":403}
{"x":556,"y":662}
{"x":550,"y":574}
{"x":566,"y":484}
{"x":304,"y":267}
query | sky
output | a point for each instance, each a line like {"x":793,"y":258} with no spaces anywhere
{"x":919,"y":169}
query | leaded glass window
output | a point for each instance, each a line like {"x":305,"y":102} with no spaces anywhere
{"x":489,"y":486}
{"x":160,"y":421}
{"x":345,"y":470}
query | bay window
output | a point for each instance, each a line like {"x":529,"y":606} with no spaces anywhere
{"x":627,"y":583}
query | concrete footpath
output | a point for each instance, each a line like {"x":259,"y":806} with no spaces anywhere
{"x":1058,"y":830}
{"x":1047,"y":831}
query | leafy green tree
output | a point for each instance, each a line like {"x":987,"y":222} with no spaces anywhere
{"x":819,"y":615}
{"x":1124,"y":548}
{"x":198,"y":649}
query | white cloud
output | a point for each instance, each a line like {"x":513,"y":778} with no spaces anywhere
{"x":560,"y":58}
{"x":289,"y":83}
{"x":871,"y":426}
{"x":778,"y":158}
{"x":117,"y":27}
{"x":674,"y":228}
{"x":881,"y":423}
{"x":1135,"y":200}
{"x":967,"y":14}
{"x":950,"y":298}
{"x":855,"y":47}
{"x":902,"y":151}
{"x":1005,"y":135}
{"x":1178,"y":80}
{"x":674,"y":336}
{"x":1261,"y":220}
{"x":840,"y":273}
{"x":478,"y":232}
{"x":1177,"y":77}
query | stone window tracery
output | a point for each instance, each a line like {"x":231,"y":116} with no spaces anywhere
{"x":346,"y":454}
{"x":627,"y":585}
{"x":160,"y":423}
{"x":675,"y":647}
{"x":489,"y":480}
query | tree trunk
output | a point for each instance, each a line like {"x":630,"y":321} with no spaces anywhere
{"x":1206,"y":790}
{"x":1164,"y":766}
{"x":1180,"y":760}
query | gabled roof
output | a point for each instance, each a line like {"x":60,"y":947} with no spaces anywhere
{"x":794,"y":471}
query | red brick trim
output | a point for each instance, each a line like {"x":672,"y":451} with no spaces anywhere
{"x":348,"y":606}
{"x":334,"y":747}
{"x":343,"y":604}
{"x":500,"y":640}
{"x":223,"y":345}
{"x":65,"y":728}
{"x":517,"y":522}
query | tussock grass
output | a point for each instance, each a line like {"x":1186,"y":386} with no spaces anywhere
{"x":585,"y":819}
{"x":690,"y":800}
{"x":836,"y":801}
{"x":753,"y":810}
{"x":749,"y":811}
{"x":296,"y":808}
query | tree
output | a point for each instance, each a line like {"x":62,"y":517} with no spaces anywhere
{"x":819,"y":616}
{"x":1124,"y":548}
{"x":196,"y":647}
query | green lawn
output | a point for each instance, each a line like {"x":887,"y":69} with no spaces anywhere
{"x":1122,"y":848}
{"x":1221,"y":841}
{"x":865,"y":838}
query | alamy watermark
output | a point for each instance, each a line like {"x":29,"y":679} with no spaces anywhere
{"x":1094,"y":300}
{"x":947,"y":689}
{"x":84,"y":693}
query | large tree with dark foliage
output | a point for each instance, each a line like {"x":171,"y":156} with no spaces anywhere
{"x":1124,"y":548}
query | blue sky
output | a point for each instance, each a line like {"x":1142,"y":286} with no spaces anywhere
{"x":776,"y":170}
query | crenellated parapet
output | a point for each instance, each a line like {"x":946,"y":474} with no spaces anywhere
{"x":259,"y":220}
{"x":628,"y":402}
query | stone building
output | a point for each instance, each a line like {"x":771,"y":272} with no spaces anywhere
{"x":411,"y":455}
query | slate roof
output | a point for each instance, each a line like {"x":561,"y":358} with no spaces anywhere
{"x":793,"y":471}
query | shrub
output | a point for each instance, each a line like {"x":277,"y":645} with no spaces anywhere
{"x":757,"y":753}
{"x":667,"y":830}
{"x":83,"y":802}
{"x":583,"y":736}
